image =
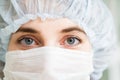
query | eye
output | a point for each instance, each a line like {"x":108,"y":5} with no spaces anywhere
{"x":28,"y":41}
{"x":71,"y":41}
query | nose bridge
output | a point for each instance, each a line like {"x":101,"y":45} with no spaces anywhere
{"x":51,"y":41}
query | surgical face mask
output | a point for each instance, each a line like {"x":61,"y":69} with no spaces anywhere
{"x":48,"y":63}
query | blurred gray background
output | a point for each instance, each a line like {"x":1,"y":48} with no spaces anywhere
{"x":113,"y":72}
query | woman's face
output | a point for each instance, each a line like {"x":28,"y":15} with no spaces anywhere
{"x":51,"y":32}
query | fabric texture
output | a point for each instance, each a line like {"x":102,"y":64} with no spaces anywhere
{"x":48,"y":63}
{"x":92,"y":15}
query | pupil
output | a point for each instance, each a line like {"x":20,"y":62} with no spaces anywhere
{"x":71,"y":40}
{"x":28,"y":41}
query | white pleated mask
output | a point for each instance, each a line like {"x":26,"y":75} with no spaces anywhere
{"x":48,"y":63}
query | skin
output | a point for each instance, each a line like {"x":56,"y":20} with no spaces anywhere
{"x":51,"y":32}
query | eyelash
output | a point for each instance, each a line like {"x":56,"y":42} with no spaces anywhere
{"x":68,"y":37}
{"x":38,"y":42}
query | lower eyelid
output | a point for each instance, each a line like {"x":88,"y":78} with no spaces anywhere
{"x":69,"y":36}
{"x":23,"y":37}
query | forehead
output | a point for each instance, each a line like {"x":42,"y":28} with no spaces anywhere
{"x":56,"y":24}
{"x":51,"y":22}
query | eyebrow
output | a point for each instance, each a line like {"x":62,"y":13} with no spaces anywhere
{"x":28,"y":30}
{"x":67,"y":30}
{"x":72,"y":29}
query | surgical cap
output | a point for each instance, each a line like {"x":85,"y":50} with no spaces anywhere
{"x":92,"y":15}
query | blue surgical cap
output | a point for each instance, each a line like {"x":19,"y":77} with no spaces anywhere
{"x":92,"y":15}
